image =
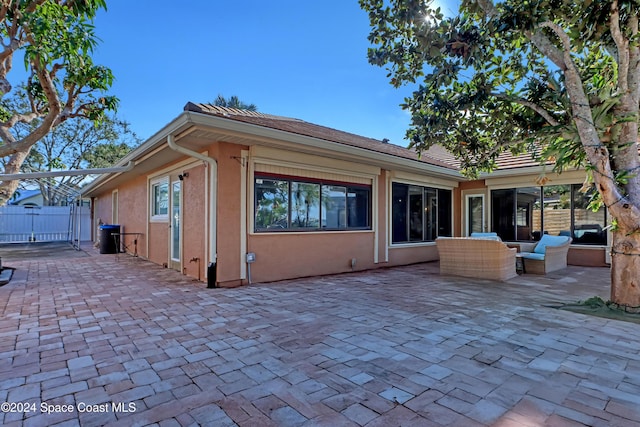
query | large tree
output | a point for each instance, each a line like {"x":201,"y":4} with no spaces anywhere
{"x":78,"y":144}
{"x":56,"y":39}
{"x":558,"y":78}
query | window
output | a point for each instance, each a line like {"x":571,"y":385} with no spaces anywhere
{"x":160,"y":199}
{"x":527,"y":213}
{"x":296,"y":205}
{"x":588,"y":226}
{"x":305,"y":205}
{"x":419,"y":214}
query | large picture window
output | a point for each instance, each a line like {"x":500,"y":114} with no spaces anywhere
{"x":292,"y":204}
{"x":419,"y":214}
{"x":529,"y":212}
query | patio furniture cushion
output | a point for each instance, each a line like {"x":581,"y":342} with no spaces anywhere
{"x":545,"y":256}
{"x":548,"y":240}
{"x":532,"y":255}
{"x":488,"y":236}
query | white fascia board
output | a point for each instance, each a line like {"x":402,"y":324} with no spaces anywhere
{"x":271,"y":134}
{"x":190,"y":118}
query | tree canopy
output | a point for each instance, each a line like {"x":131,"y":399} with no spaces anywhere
{"x":557,"y":78}
{"x":233,"y":102}
{"x":78,"y":144}
{"x":56,"y":38}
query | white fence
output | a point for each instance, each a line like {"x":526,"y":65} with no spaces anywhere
{"x":41,"y":224}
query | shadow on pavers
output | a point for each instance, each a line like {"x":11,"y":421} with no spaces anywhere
{"x":37,"y":250}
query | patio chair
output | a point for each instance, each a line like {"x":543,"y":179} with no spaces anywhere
{"x":547,"y":255}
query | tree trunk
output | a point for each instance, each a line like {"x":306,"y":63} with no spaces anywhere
{"x":625,"y":270}
{"x":7,"y":188}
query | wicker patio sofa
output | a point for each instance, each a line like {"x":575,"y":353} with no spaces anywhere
{"x":547,"y":255}
{"x":476,"y":257}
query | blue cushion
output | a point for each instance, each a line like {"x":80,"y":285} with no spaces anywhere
{"x":548,"y":240}
{"x":532,"y":255}
{"x":487,"y":236}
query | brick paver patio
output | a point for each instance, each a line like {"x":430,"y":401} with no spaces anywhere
{"x":97,"y":341}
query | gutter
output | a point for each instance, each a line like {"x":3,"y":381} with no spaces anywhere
{"x":213,"y":189}
{"x":32,"y":175}
{"x":258,"y":132}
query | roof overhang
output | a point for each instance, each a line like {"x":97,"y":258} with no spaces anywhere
{"x":198,"y":131}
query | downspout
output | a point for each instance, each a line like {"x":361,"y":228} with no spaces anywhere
{"x":213,"y":174}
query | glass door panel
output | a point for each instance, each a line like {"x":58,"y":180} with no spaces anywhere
{"x":475,"y":214}
{"x":176,"y":216}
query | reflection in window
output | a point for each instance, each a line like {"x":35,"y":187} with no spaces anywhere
{"x":160,"y":198}
{"x":588,"y":225}
{"x":529,"y":212}
{"x":557,"y":210}
{"x":305,"y":205}
{"x":272,"y":204}
{"x":358,"y":208}
{"x":334,"y":214}
{"x":475,"y":208}
{"x":528,"y":218}
{"x":419,"y":214}
{"x":283,"y":204}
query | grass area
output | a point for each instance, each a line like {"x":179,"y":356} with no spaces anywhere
{"x":596,"y":306}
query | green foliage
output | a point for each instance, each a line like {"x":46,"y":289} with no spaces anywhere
{"x":56,"y":38}
{"x":78,"y":144}
{"x":106,"y":154}
{"x":233,"y":102}
{"x":593,"y":302}
{"x":483,"y":85}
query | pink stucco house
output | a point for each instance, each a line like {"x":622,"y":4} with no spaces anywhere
{"x":230,"y":196}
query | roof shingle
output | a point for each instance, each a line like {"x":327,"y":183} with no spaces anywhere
{"x":436,"y":155}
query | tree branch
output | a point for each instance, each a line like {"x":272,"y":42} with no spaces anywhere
{"x":622,"y":44}
{"x":547,"y":48}
{"x":532,"y":105}
{"x":488,"y":7}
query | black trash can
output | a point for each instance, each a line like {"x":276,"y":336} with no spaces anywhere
{"x":109,"y":244}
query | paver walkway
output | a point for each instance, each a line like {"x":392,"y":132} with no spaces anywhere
{"x":96,"y":341}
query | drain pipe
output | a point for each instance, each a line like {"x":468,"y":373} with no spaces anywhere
{"x":213,"y":173}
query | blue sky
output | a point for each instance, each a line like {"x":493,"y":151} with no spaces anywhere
{"x":289,"y":57}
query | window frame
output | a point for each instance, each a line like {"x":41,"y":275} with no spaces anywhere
{"x":573,"y":193}
{"x":427,"y":226}
{"x":322,"y":210}
{"x":153,"y":185}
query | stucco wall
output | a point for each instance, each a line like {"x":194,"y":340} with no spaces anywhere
{"x":289,"y":255}
{"x":159,"y":242}
{"x":230,"y":170}
{"x":399,"y":255}
{"x":132,"y":212}
{"x":195,"y":223}
{"x":101,"y":211}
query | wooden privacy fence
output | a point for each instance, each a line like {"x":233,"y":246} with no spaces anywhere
{"x":46,"y":223}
